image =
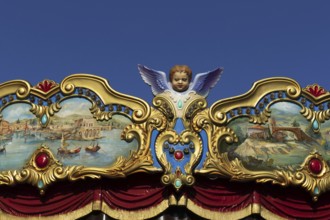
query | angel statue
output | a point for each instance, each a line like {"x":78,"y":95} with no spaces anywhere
{"x":181,"y":89}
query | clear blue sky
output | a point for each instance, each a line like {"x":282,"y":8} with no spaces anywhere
{"x":250,"y":39}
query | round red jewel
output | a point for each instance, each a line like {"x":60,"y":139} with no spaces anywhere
{"x":42,"y":160}
{"x":178,"y":155}
{"x":315,"y":166}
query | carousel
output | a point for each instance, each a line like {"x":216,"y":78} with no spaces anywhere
{"x":261,"y":155}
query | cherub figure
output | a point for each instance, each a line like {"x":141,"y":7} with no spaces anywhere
{"x":180,"y":90}
{"x":180,"y":80}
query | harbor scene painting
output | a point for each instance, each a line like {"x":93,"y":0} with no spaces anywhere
{"x":73,"y":136}
{"x":283,"y":142}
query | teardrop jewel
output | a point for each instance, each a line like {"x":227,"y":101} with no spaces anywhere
{"x":180,"y":104}
{"x":315,"y":125}
{"x":44,"y":119}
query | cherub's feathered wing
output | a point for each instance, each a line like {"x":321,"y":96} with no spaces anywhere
{"x":156,"y":79}
{"x":203,"y":82}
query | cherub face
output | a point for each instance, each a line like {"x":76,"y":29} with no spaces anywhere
{"x":180,"y":81}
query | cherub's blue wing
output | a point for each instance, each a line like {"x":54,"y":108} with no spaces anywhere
{"x":203,"y":82}
{"x":156,"y":79}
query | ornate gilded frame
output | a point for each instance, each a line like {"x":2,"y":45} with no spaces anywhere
{"x":155,"y":129}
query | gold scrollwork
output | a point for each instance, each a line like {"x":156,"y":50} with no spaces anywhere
{"x":196,"y":105}
{"x":259,"y":89}
{"x":100,"y":115}
{"x":320,"y":116}
{"x":101,"y":87}
{"x":139,"y":160}
{"x":42,"y":176}
{"x":42,"y":170}
{"x":45,"y":112}
{"x":18,"y":87}
{"x":260,"y":118}
{"x":162,"y":103}
{"x":144,"y":120}
{"x":186,"y":137}
{"x":315,"y":117}
{"x":314,"y":181}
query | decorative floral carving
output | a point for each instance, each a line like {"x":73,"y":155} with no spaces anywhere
{"x":316,"y":90}
{"x":46,"y":85}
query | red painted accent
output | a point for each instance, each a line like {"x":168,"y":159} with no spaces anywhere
{"x":316,"y":91}
{"x":315,"y":166}
{"x":42,"y":160}
{"x":45,"y":85}
{"x":178,"y":155}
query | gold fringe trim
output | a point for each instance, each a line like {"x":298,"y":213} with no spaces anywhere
{"x":254,"y":208}
{"x":266,"y":214}
{"x":141,"y":214}
{"x":114,"y":213}
{"x":218,"y":215}
{"x":151,"y":212}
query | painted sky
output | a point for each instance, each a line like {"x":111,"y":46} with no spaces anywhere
{"x":250,"y":39}
{"x":78,"y":106}
{"x":17,"y":111}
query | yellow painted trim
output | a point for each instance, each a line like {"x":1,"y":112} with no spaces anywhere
{"x":218,"y":215}
{"x":140,"y":214}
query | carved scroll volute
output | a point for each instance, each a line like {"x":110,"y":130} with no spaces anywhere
{"x":18,"y":87}
{"x":162,"y":103}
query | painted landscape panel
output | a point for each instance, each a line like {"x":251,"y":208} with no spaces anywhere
{"x":283,"y":142}
{"x":73,"y":135}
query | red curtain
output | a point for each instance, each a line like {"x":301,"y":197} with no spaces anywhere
{"x":25,"y":200}
{"x":221,"y":195}
{"x":133,"y":193}
{"x":143,"y":191}
{"x":291,"y":202}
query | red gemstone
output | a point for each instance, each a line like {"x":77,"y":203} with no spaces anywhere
{"x":315,"y":166}
{"x":42,"y":160}
{"x":178,"y":155}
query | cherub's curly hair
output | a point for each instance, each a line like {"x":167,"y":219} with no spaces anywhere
{"x":180,"y":68}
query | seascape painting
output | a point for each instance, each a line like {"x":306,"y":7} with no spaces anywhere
{"x":283,"y":142}
{"x":73,"y":136}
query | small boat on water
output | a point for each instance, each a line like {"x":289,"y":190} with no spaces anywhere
{"x":3,"y":149}
{"x":92,"y":148}
{"x":68,"y":151}
{"x":3,"y":143}
{"x":63,"y":150}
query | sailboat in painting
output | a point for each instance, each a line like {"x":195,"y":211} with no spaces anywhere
{"x":3,"y":149}
{"x":63,"y":150}
{"x":92,"y":148}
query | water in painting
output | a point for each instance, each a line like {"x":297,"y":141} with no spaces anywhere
{"x":73,"y":136}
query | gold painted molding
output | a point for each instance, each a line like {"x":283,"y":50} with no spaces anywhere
{"x":108,"y":96}
{"x":250,"y":99}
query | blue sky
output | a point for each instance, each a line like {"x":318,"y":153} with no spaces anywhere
{"x":250,"y":39}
